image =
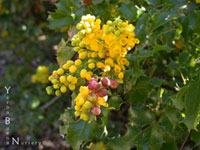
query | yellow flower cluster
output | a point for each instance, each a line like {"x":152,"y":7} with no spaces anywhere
{"x":197,"y":1}
{"x":85,"y":100}
{"x":65,"y":77}
{"x":107,"y":45}
{"x":101,"y":64}
{"x":69,"y":75}
{"x":41,"y":75}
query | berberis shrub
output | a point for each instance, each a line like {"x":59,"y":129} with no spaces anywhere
{"x":141,"y":56}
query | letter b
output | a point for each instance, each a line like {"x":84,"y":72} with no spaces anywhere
{"x":7,"y":120}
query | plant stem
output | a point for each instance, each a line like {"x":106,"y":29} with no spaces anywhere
{"x":185,"y":140}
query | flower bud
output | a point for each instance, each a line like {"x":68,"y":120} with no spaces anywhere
{"x":92,"y":97}
{"x":105,"y":82}
{"x":113,"y":84}
{"x":96,"y":110}
{"x":101,"y":92}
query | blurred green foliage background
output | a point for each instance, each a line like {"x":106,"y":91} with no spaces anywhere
{"x":26,"y":42}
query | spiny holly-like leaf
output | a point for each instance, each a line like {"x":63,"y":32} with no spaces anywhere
{"x":144,"y":53}
{"x":192,"y":104}
{"x":62,"y":17}
{"x":81,"y":131}
{"x":158,"y":48}
{"x":66,"y":118}
{"x":128,"y":10}
{"x":178,"y":99}
{"x":125,"y":142}
{"x":139,"y":91}
{"x":156,"y":82}
{"x":141,"y":28}
{"x":64,"y":53}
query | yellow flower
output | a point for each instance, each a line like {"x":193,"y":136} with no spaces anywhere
{"x":69,"y":78}
{"x":107,"y":68}
{"x":83,"y":73}
{"x":100,"y":65}
{"x":56,"y":86}
{"x":83,"y":55}
{"x":63,"y":89}
{"x":88,"y":76}
{"x":94,"y":55}
{"x":121,"y":75}
{"x":74,"y":80}
{"x":84,"y":117}
{"x":68,"y":64}
{"x":84,"y":90}
{"x":72,"y":69}
{"x":79,"y":100}
{"x":76,"y":107}
{"x":66,"y":83}
{"x":123,"y":41}
{"x":78,"y":62}
{"x":101,"y":101}
{"x":87,"y":105}
{"x":77,"y":113}
{"x":60,"y":71}
{"x":72,"y":87}
{"x":62,"y":79}
{"x":197,"y":1}
{"x":91,"y":66}
{"x":101,"y":55}
{"x":109,"y":61}
{"x":117,"y":68}
{"x":90,"y":60}
{"x":123,"y":61}
{"x":89,"y":54}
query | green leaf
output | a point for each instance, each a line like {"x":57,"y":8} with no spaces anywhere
{"x":166,"y":48}
{"x":141,"y":116}
{"x":161,"y":19}
{"x":125,"y":142}
{"x":156,"y":82}
{"x":64,"y":53}
{"x":141,"y":28}
{"x":172,"y":115}
{"x":102,"y":10}
{"x":178,"y":99}
{"x":145,"y":53}
{"x":170,"y":143}
{"x":115,"y":101}
{"x":62,"y":17}
{"x":81,"y":131}
{"x":128,"y":10}
{"x":66,"y":118}
{"x":192,"y":104}
{"x":152,"y":139}
{"x":139,"y":92}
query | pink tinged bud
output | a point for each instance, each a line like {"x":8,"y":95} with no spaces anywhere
{"x":97,"y":86}
{"x":113,"y":84}
{"x":101,"y":92}
{"x":93,"y":85}
{"x":105,"y":82}
{"x":92,"y":97}
{"x":96,"y":110}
